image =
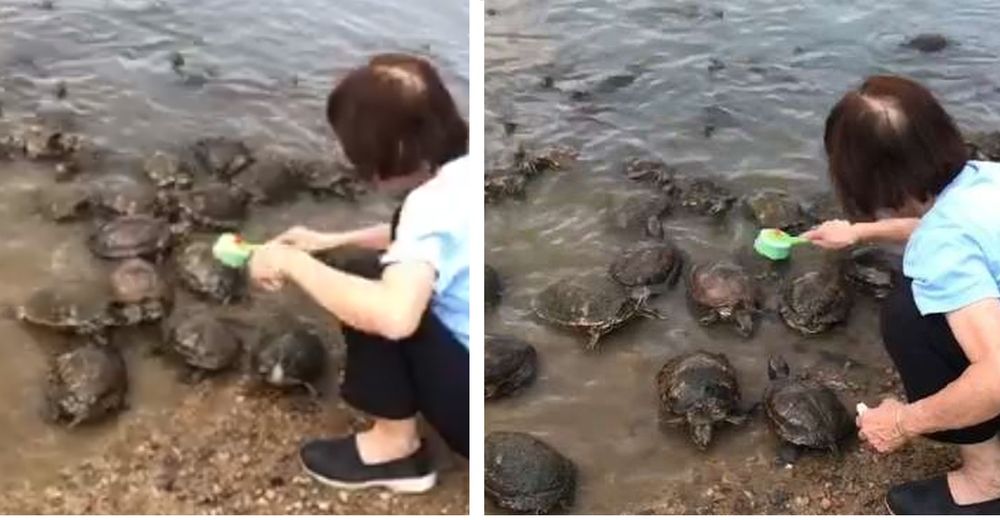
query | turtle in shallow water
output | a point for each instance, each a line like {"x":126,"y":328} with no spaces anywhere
{"x":872,"y":270}
{"x":201,"y":340}
{"x":292,"y":358}
{"x":803,"y":412}
{"x":269,"y":180}
{"x":512,"y":180}
{"x":651,"y":171}
{"x":592,"y":303}
{"x":699,"y":390}
{"x":214,"y":206}
{"x":167,"y":170}
{"x":200,"y":273}
{"x":85,"y":384}
{"x":325,"y":178}
{"x":75,"y":306}
{"x":124,"y":197}
{"x":656,"y":265}
{"x":815,"y":301}
{"x":927,"y":42}
{"x":705,"y":197}
{"x":64,"y":202}
{"x":642,"y":215}
{"x":722,"y":291}
{"x":131,"y":236}
{"x":49,"y":142}
{"x":777,"y":209}
{"x":492,"y":286}
{"x":523,"y":474}
{"x":503,"y":185}
{"x":138,"y":293}
{"x":221,"y":157}
{"x":510,"y":365}
{"x":983,"y":146}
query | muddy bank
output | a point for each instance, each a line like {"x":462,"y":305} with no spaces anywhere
{"x":227,"y":449}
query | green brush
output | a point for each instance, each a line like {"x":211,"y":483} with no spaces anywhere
{"x":775,"y":244}
{"x":232,"y":251}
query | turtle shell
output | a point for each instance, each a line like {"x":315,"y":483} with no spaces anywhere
{"x":138,"y":293}
{"x":166,"y":170}
{"x":214,"y":206}
{"x":593,"y":303}
{"x":200,"y":273}
{"x":648,"y":264}
{"x":806,"y":413}
{"x":64,"y":202}
{"x":86,"y":384}
{"x":71,"y":306}
{"x":201,"y":340}
{"x":699,"y":389}
{"x":131,"y":236}
{"x":510,"y":365}
{"x":814,"y":302}
{"x":295,"y":357}
{"x":642,"y":215}
{"x":222,"y":157}
{"x":705,"y":197}
{"x":269,"y":180}
{"x":872,"y":270}
{"x":722,"y":291}
{"x":523,"y":474}
{"x":777,"y":209}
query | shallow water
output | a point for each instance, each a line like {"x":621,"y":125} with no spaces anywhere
{"x":646,"y":66}
{"x":255,"y":70}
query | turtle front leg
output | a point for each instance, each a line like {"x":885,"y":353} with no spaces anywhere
{"x":595,"y":336}
{"x":788,"y":453}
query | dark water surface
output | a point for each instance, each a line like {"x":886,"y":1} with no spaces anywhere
{"x":255,"y":70}
{"x":764,"y":74}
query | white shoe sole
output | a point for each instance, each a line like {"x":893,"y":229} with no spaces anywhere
{"x":398,"y":485}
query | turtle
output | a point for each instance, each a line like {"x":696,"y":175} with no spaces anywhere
{"x":642,"y":215}
{"x":722,"y":291}
{"x":656,"y":265}
{"x":85,"y":384}
{"x":138,"y":293}
{"x":201,"y":340}
{"x":771,"y":208}
{"x":292,"y":358}
{"x":214,"y":206}
{"x":269,"y":180}
{"x":510,"y":365}
{"x":803,"y":412}
{"x":651,"y":171}
{"x":64,"y":202}
{"x":927,"y":42}
{"x":221,"y":157}
{"x":983,"y":146}
{"x":699,"y":389}
{"x":124,"y":197}
{"x":523,"y":474}
{"x":75,"y":306}
{"x":822,"y":207}
{"x":704,"y":197}
{"x":512,"y":180}
{"x":492,"y":286}
{"x":49,"y":142}
{"x":504,"y":185}
{"x":815,"y":301}
{"x":594,"y":304}
{"x":131,"y":236}
{"x":203,"y":275}
{"x":872,"y":270}
{"x":167,"y":170}
{"x":325,"y":178}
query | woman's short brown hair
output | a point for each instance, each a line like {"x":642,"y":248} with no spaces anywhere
{"x":889,"y":143}
{"x":394,"y":116}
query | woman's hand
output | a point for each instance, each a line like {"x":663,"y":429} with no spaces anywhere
{"x":882,"y":427}
{"x":305,"y":239}
{"x":833,"y":234}
{"x":268,"y":265}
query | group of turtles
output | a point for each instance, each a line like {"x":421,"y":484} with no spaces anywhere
{"x":699,"y":389}
{"x":153,"y":223}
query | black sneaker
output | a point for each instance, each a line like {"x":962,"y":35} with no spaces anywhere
{"x":337,"y":463}
{"x":933,"y":497}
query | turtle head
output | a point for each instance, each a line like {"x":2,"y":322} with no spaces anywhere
{"x":777,"y":368}
{"x":744,"y":322}
{"x":701,"y":430}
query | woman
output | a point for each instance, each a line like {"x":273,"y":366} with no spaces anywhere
{"x":893,"y":150}
{"x":406,"y":324}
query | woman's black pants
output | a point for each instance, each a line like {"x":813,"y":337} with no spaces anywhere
{"x":426,"y":373}
{"x":927,"y":356}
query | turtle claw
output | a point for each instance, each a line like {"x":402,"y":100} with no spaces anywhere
{"x":595,"y":337}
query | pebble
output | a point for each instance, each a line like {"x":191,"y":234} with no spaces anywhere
{"x":825,"y":504}
{"x":270,"y":494}
{"x":342,"y":496}
{"x":323,"y":506}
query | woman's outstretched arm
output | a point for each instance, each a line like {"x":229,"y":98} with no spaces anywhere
{"x":838,"y":234}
